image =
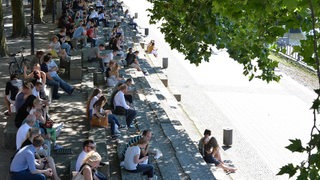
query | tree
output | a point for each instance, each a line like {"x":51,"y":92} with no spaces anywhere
{"x":248,"y":30}
{"x":38,"y":14}
{"x":19,"y":28}
{"x":3,"y":41}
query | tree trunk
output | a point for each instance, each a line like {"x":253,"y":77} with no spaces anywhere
{"x":19,"y":28}
{"x":38,"y":14}
{"x":49,"y":7}
{"x":3,"y":41}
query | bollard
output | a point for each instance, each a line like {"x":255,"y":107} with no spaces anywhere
{"x":227,"y":136}
{"x":98,"y":79}
{"x":146,"y":31}
{"x":165,"y":63}
{"x":135,"y":15}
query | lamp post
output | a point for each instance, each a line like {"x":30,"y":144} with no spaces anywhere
{"x":32,"y":29}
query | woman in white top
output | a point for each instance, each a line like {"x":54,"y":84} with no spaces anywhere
{"x":114,"y":77}
{"x":133,"y":162}
{"x":93,"y":98}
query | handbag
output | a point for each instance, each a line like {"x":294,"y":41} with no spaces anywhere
{"x":99,"y":122}
{"x":79,"y":176}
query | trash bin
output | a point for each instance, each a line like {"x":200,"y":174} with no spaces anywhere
{"x":146,"y":31}
{"x":135,"y":15}
{"x":227,"y":136}
{"x":165,"y":63}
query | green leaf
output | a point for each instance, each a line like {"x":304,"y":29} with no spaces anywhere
{"x":288,"y":169}
{"x":295,"y":146}
{"x":315,"y":160}
{"x":314,"y":173}
{"x":316,"y":104}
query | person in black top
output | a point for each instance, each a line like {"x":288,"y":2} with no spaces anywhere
{"x":12,"y":88}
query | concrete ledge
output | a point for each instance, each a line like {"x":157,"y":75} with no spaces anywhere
{"x":9,"y":133}
{"x":176,"y":94}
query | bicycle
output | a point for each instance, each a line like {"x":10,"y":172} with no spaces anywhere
{"x":16,"y":65}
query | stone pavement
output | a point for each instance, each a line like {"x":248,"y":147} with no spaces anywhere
{"x":157,"y":110}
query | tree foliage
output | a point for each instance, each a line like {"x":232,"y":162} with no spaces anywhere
{"x":248,"y":29}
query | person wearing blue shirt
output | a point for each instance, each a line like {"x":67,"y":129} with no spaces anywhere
{"x":23,"y":165}
{"x":81,"y":34}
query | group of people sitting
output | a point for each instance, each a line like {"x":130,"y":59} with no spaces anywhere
{"x":135,"y":156}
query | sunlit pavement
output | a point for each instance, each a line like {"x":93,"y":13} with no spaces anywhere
{"x":216,"y":95}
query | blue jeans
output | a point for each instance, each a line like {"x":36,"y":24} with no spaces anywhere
{"x":67,"y":47}
{"x":100,"y":176}
{"x":27,"y":175}
{"x":129,"y":113}
{"x":208,"y":158}
{"x":112,"y":119}
{"x":55,"y":87}
{"x":64,"y":85}
{"x":146,"y":169}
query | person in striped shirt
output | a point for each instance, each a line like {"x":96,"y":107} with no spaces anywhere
{"x":147,"y":134}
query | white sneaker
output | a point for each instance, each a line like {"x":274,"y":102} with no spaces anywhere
{"x":116,"y":131}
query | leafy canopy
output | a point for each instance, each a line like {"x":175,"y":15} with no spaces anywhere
{"x":248,"y":29}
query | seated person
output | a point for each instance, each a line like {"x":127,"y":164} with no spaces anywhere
{"x":132,"y":60}
{"x":37,"y":76}
{"x":24,"y":110}
{"x":203,"y":141}
{"x":89,"y":166}
{"x":23,"y":165}
{"x":95,"y":55}
{"x":99,"y":112}
{"x":114,"y":78}
{"x":80,"y":34}
{"x":147,"y":134}
{"x":56,"y":49}
{"x":51,"y":69}
{"x":13,"y":87}
{"x":42,"y":158}
{"x":23,"y":95}
{"x":134,"y":163}
{"x":151,"y":49}
{"x":211,"y":151}
{"x":24,"y":129}
{"x":122,"y":108}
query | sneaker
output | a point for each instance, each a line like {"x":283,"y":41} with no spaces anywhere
{"x":155,"y":177}
{"x":122,"y":126}
{"x":72,"y":90}
{"x":116,"y":131}
{"x":115,"y":136}
{"x":57,"y":146}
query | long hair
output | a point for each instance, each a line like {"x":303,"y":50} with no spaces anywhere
{"x":100,"y":101}
{"x":94,"y":93}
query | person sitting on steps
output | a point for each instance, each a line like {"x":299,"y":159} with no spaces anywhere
{"x":212,"y":155}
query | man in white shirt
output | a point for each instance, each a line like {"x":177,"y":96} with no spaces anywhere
{"x":23,"y":130}
{"x":122,"y":108}
{"x":87,"y":146}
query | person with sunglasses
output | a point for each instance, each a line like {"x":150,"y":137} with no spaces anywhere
{"x":88,"y":146}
